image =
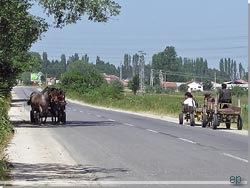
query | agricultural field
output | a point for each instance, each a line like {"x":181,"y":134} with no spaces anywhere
{"x":159,"y":104}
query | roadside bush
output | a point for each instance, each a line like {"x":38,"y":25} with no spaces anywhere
{"x":81,"y":77}
{"x":5,"y":125}
{"x":5,"y":132}
{"x":117,"y":84}
{"x":104,"y":93}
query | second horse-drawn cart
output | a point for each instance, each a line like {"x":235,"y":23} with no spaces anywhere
{"x":215,"y":113}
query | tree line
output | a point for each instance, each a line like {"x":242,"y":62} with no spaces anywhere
{"x":172,"y":67}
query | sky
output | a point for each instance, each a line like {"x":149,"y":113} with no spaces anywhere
{"x":212,"y":29}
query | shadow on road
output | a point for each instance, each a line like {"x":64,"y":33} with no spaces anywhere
{"x":27,"y":124}
{"x":19,"y":100}
{"x":54,"y":171}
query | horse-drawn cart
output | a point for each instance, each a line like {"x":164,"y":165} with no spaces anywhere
{"x":215,"y":113}
{"x":190,"y":113}
{"x":48,"y":103}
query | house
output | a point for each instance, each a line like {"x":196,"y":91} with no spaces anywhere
{"x":215,"y":85}
{"x":172,"y":85}
{"x":110,"y":78}
{"x":194,"y":86}
{"x":235,"y":83}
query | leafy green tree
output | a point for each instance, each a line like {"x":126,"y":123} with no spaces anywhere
{"x":183,"y":88}
{"x":25,"y":78}
{"x":238,"y":91}
{"x":117,"y":84}
{"x":126,"y":67}
{"x":70,"y":11}
{"x":18,"y":30}
{"x":207,"y":85}
{"x":81,"y":77}
{"x":135,"y":65}
{"x":64,"y":62}
{"x":134,"y":84}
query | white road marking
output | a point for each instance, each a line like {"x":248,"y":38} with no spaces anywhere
{"x":99,"y":183}
{"x":98,"y":116}
{"x":111,"y":119}
{"x":235,"y":157}
{"x":152,"y":131}
{"x":186,"y":140}
{"x":81,"y":111}
{"x":129,"y":124}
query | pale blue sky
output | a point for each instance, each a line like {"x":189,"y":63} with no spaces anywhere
{"x":212,"y":29}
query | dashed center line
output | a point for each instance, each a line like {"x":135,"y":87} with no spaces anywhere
{"x":98,"y":116}
{"x":152,"y":131}
{"x":186,"y":140}
{"x":81,"y":111}
{"x":235,"y":157}
{"x":129,"y":124}
{"x":111,"y":120}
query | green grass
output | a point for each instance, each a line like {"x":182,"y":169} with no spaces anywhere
{"x":5,"y":135}
{"x":160,"y":104}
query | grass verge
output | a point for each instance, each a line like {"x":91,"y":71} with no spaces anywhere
{"x":5,"y":136}
{"x":158,"y":104}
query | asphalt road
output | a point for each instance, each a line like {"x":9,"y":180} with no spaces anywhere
{"x":123,"y":147}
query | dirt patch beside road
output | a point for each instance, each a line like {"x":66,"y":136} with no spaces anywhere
{"x":38,"y":158}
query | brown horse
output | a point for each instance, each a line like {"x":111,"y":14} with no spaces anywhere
{"x":40,"y":105}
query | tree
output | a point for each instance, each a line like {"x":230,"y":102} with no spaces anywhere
{"x":134,"y":84}
{"x":70,"y":11}
{"x":207,"y":85}
{"x":238,"y":91}
{"x":19,"y":29}
{"x":117,"y":84}
{"x":183,"y":88}
{"x":64,"y":62}
{"x":135,"y":65}
{"x":126,"y":67}
{"x":81,"y":77}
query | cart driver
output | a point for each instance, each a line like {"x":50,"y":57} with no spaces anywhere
{"x":189,"y":100}
{"x":225,"y":95}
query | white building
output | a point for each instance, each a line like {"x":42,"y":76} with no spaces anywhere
{"x":216,"y":85}
{"x":194,"y":86}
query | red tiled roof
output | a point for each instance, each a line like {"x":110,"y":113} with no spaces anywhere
{"x":169,"y":84}
{"x":240,"y":81}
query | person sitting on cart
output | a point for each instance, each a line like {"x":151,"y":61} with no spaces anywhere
{"x":190,"y":104}
{"x":225,"y":96}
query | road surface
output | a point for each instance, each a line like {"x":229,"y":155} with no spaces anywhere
{"x":112,"y":147}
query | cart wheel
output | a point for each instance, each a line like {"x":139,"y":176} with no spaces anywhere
{"x":63,"y":117}
{"x":181,"y":118}
{"x":32,"y":117}
{"x":239,"y":123}
{"x":192,"y":122}
{"x":215,"y":122}
{"x":204,"y":120}
{"x":37,"y":119}
{"x":228,"y":125}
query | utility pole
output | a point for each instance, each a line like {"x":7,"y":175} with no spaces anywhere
{"x":141,"y":72}
{"x":121,"y":71}
{"x":215,"y":77}
{"x":160,"y":76}
{"x":152,"y":77}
